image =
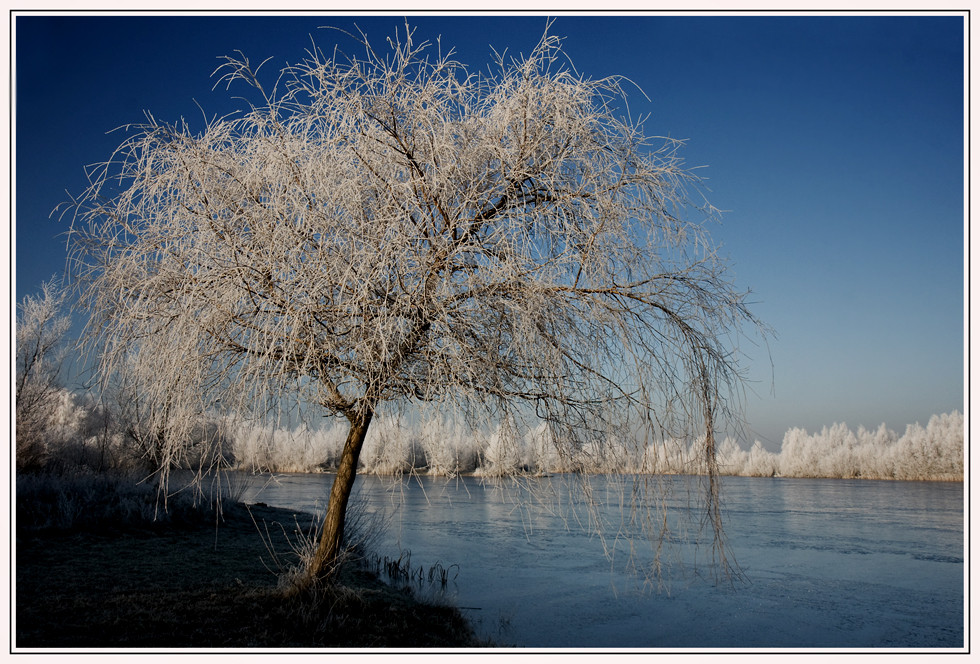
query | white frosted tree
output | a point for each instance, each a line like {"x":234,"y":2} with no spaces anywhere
{"x":799,"y":455}
{"x":391,"y":228}
{"x":42,"y":327}
{"x":732,"y":459}
{"x":931,"y":452}
{"x":450,"y":447}
{"x":761,"y":462}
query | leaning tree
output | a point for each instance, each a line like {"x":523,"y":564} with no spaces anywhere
{"x":392,"y":228}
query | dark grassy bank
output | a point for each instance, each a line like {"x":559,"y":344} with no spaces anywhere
{"x":192,"y":580}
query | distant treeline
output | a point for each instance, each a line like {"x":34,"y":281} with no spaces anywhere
{"x":83,"y":432}
{"x":933,"y":452}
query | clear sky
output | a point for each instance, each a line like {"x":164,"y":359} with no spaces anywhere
{"x":834,"y":144}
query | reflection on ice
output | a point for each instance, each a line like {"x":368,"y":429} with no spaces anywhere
{"x":826,"y":563}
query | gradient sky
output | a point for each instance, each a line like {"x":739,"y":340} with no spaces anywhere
{"x":834,"y":144}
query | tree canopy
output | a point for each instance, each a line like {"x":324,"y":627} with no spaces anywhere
{"x":391,"y":228}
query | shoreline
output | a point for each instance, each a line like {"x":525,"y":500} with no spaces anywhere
{"x":425,"y":472}
{"x":208,"y":584}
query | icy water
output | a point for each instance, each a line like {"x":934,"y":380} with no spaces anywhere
{"x":845,"y":564}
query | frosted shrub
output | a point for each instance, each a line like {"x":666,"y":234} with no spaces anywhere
{"x":935,"y":451}
{"x":837,"y":445}
{"x":251,"y":446}
{"x":519,"y":448}
{"x":608,"y":452}
{"x":63,"y":427}
{"x":392,"y":449}
{"x":668,"y":457}
{"x":78,"y":434}
{"x":503,"y":455}
{"x":874,"y":453}
{"x":69,"y":417}
{"x":830,"y":453}
{"x":541,"y":454}
{"x":326,"y":444}
{"x":42,"y":326}
{"x":76,"y":431}
{"x":947,"y":433}
{"x":450,"y":447}
{"x":259,"y":447}
{"x":732,"y":459}
{"x":761,"y":462}
{"x":798,"y":455}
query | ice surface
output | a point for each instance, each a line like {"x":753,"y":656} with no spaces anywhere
{"x":827,"y":563}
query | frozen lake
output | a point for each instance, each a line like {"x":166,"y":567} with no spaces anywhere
{"x":846,"y":564}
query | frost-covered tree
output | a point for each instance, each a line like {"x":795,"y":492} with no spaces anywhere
{"x":42,"y":326}
{"x":761,"y":462}
{"x":391,"y":227}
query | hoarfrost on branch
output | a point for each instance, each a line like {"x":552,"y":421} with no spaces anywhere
{"x":392,"y":228}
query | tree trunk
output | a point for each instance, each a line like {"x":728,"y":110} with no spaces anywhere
{"x":325,"y":559}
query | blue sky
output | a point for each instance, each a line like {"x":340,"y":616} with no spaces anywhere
{"x":834,"y":144}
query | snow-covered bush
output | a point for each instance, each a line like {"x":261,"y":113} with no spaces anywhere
{"x":732,"y":459}
{"x":670,"y":456}
{"x":503,"y":455}
{"x":760,"y":463}
{"x":392,"y":448}
{"x":931,"y":452}
{"x":934,"y":452}
{"x":450,"y":447}
{"x":42,"y":326}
